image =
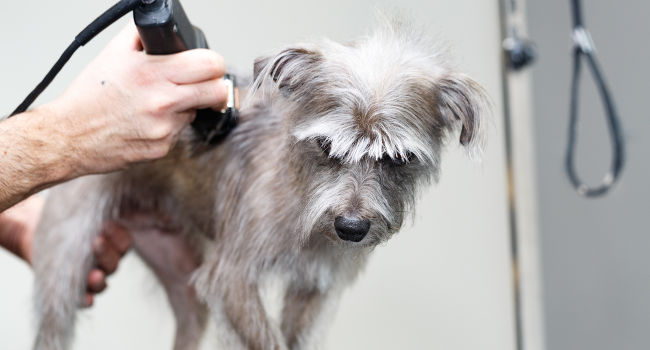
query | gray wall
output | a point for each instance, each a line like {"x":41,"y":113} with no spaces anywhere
{"x":595,"y":253}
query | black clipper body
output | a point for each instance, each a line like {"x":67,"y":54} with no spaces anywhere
{"x":165,"y":29}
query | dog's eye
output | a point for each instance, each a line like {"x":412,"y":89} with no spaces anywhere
{"x":398,"y":160}
{"x":409,"y":157}
{"x":325,"y":145}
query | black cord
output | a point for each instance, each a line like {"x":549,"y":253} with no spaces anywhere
{"x":47,"y":79}
{"x":104,"y":20}
{"x":583,"y":46}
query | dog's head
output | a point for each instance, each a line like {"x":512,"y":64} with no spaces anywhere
{"x":367,"y":122}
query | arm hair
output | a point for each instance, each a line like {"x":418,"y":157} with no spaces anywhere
{"x":32,"y":156}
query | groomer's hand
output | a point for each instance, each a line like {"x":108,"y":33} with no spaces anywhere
{"x":127,"y":106}
{"x":17,"y":228}
{"x":108,"y":248}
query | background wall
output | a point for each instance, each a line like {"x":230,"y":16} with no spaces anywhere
{"x":594,"y":252}
{"x":442,"y":283}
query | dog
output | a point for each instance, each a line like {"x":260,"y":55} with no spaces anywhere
{"x":333,"y":145}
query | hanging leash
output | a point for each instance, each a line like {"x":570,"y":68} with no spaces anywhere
{"x":583,"y":47}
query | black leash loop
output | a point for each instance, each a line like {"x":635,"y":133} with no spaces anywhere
{"x":583,"y":47}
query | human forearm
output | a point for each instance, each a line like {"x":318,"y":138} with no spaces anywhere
{"x":125,"y":107}
{"x":32,"y":156}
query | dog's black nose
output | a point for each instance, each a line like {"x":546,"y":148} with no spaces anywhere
{"x":351,"y":228}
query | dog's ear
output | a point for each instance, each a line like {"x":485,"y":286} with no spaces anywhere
{"x":259,"y":65}
{"x":289,"y":69}
{"x":461,"y":99}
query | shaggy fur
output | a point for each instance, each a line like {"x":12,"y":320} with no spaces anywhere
{"x":333,"y":145}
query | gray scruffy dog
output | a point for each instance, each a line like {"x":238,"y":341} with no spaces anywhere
{"x":333,"y":145}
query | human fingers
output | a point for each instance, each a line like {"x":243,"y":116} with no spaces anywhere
{"x":211,"y":93}
{"x":118,"y":236}
{"x":96,"y":281}
{"x":88,"y":300}
{"x":192,"y":66}
{"x":106,"y":255}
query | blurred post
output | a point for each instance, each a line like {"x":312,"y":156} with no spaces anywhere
{"x":522,"y":194}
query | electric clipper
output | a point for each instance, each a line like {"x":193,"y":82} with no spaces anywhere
{"x":165,"y":29}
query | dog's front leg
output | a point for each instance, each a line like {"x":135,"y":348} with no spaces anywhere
{"x":173,"y":260}
{"x":247,"y":318}
{"x":302,"y":312}
{"x":62,"y":256}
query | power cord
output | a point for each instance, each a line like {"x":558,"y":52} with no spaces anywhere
{"x":104,"y":20}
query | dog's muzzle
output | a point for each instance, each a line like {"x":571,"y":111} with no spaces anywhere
{"x":351,"y":228}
